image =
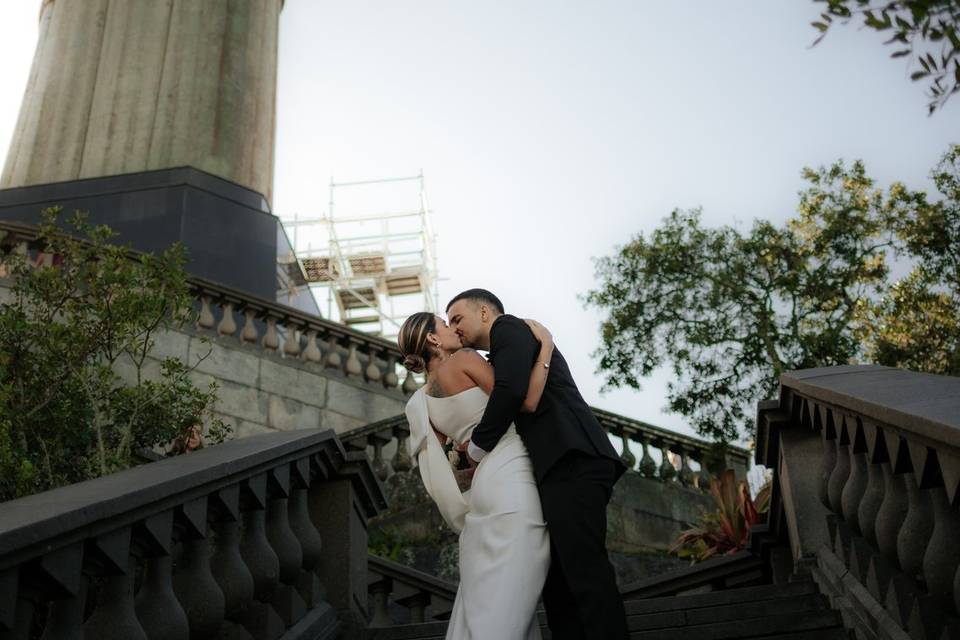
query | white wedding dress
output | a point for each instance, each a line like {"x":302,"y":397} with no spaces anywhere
{"x":504,"y":547}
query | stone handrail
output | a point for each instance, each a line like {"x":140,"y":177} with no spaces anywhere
{"x":867,"y":463}
{"x":268,"y":325}
{"x":423,"y":596}
{"x":249,"y":533}
{"x":379,"y":434}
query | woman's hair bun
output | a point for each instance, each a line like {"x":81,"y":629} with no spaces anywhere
{"x":414,"y":363}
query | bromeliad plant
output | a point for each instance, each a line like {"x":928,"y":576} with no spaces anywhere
{"x":727,"y":529}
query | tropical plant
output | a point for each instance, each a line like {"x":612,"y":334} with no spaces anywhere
{"x":727,"y":529}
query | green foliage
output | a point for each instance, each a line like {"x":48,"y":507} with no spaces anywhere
{"x":727,"y":529}
{"x":730,"y":311}
{"x":76,"y":332}
{"x":923,"y":30}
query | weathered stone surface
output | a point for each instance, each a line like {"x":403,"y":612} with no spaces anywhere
{"x":237,"y":400}
{"x":356,"y":402}
{"x":285,"y":414}
{"x":339,"y":422}
{"x":292,"y":381}
{"x":646,"y":514}
{"x":225,"y":362}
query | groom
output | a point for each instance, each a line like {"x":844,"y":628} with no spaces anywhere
{"x":573,"y":461}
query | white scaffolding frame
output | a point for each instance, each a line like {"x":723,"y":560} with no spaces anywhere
{"x":366,"y":274}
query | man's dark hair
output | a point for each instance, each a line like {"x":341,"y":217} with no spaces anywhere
{"x":478,"y":295}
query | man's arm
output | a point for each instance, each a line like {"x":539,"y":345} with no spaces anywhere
{"x":513,"y":350}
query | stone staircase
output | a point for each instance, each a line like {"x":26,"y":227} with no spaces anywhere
{"x":789,"y":611}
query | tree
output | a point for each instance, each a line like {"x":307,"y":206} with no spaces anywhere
{"x":76,"y":333}
{"x":730,"y":311}
{"x":922,"y":30}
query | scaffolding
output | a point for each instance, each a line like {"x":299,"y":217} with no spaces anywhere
{"x":375,"y":264}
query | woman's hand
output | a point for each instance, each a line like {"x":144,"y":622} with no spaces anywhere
{"x":540,"y":332}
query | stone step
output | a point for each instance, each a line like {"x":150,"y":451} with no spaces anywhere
{"x":718,"y":598}
{"x":726,"y":613}
{"x":769,"y":626}
{"x":779,"y":625}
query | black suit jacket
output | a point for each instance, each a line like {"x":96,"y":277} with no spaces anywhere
{"x":563,"y":421}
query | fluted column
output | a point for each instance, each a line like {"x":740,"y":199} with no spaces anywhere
{"x":122,"y":87}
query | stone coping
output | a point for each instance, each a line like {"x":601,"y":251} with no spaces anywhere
{"x":922,"y":404}
{"x":40,"y":523}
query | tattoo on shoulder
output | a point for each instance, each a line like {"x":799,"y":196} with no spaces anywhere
{"x":434,"y":389}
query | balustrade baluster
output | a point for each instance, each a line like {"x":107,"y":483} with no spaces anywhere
{"x":334,"y":361}
{"x":401,"y":459}
{"x":942,"y":556}
{"x":65,"y":617}
{"x":312,"y":352}
{"x":196,"y":588}
{"x":114,"y":617}
{"x":841,"y":471}
{"x":381,"y":602}
{"x":667,"y":471}
{"x":291,"y":344}
{"x":249,"y":333}
{"x":627,"y":457}
{"x":390,"y":379}
{"x":893,"y":509}
{"x":259,"y":618}
{"x":856,"y":485}
{"x":308,"y":583}
{"x":352,"y":366}
{"x":160,"y":613}
{"x":648,"y":466}
{"x":271,"y":341}
{"x":205,"y":320}
{"x":227,"y":326}
{"x":686,"y":473}
{"x":60,"y":573}
{"x":380,"y":466}
{"x":916,"y":529}
{"x":286,"y":600}
{"x":227,"y":565}
{"x":372,"y":372}
{"x":873,"y":497}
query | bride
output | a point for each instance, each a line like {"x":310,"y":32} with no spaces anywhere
{"x":504,"y":547}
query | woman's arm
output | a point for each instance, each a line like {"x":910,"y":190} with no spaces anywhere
{"x":538,"y":377}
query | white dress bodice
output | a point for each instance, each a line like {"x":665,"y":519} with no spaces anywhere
{"x":455,"y":416}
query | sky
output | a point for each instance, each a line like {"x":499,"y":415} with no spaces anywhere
{"x":550,"y":133}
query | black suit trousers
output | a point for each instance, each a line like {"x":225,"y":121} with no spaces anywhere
{"x":580,"y":595}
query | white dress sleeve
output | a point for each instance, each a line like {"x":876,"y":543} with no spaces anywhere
{"x":428,"y":455}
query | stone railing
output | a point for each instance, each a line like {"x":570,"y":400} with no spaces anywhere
{"x":391,"y":434}
{"x":401,"y":595}
{"x":867,"y":474}
{"x":708,"y":457}
{"x":266,"y":325}
{"x":295,"y":334}
{"x":257,"y":537}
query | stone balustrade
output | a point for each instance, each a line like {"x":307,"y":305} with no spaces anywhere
{"x":292,"y":333}
{"x":391,"y":434}
{"x":254,"y":538}
{"x":401,"y":595}
{"x":867,"y":475}
{"x":270,"y":327}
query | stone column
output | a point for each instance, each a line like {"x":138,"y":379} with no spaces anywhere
{"x":124,"y":86}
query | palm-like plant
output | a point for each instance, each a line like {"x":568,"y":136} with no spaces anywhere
{"x":727,"y":529}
